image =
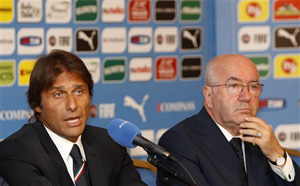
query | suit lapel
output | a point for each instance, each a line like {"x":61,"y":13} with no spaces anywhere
{"x":216,"y":142}
{"x":58,"y":166}
{"x":94,"y":162}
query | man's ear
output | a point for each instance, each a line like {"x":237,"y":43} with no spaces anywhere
{"x":207,"y":92}
{"x":38,"y":109}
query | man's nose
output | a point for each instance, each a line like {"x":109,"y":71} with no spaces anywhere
{"x":71,"y":103}
{"x":245,"y":94}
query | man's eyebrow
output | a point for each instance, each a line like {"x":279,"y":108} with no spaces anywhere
{"x":233,"y":78}
{"x":254,"y":81}
{"x":78,"y":86}
{"x":62,"y":87}
{"x":56,"y":88}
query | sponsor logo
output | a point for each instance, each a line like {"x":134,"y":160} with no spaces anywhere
{"x":130,"y":102}
{"x":287,"y":66}
{"x":262,"y":64}
{"x":93,"y":65}
{"x":9,"y":115}
{"x":6,"y":11}
{"x":179,"y":106}
{"x":114,"y":69}
{"x":140,"y":39}
{"x":191,"y":38}
{"x":287,"y":37}
{"x":58,"y":11}
{"x":31,"y":41}
{"x":288,"y":135}
{"x":191,"y":67}
{"x":86,"y":11}
{"x":7,"y":41}
{"x":165,"y":10}
{"x":139,"y":10}
{"x":113,"y":40}
{"x":140,"y":69}
{"x":107,"y":110}
{"x":286,"y":10}
{"x":165,"y":39}
{"x":253,"y":11}
{"x":166,"y":68}
{"x":113,"y":12}
{"x":30,"y":12}
{"x":25,"y":69}
{"x":93,"y":111}
{"x":190,"y":10}
{"x":59,"y":38}
{"x":87,"y":40}
{"x":255,"y":38}
{"x":272,"y":103}
{"x":7,"y":72}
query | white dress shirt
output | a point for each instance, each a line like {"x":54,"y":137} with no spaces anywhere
{"x":64,"y":147}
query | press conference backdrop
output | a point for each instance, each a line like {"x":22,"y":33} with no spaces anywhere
{"x":147,"y":57}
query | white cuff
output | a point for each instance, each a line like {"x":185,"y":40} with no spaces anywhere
{"x":287,"y":172}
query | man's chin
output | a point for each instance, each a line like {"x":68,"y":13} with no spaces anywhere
{"x":241,"y":119}
{"x":75,"y":132}
{"x":73,"y":136}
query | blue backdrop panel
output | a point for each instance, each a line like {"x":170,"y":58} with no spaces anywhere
{"x":147,"y":57}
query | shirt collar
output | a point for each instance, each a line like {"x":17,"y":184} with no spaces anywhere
{"x":227,"y":134}
{"x":64,"y":146}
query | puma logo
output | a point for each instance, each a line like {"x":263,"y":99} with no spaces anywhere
{"x":89,"y":40}
{"x":292,"y":37}
{"x":192,"y":38}
{"x":130,"y":102}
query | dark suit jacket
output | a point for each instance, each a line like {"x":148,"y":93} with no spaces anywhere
{"x":203,"y":149}
{"x":2,"y":182}
{"x":29,"y":157}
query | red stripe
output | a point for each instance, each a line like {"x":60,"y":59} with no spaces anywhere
{"x":80,"y":173}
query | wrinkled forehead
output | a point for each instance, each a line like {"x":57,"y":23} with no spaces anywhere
{"x":63,"y":75}
{"x":237,"y":68}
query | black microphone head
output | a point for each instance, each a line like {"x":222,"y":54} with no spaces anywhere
{"x":123,"y":132}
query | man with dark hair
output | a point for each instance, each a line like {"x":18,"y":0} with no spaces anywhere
{"x":59,"y":148}
{"x":225,"y":144}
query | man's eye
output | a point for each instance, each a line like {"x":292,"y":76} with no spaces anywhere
{"x":253,"y":86}
{"x":58,"y":95}
{"x":78,"y":92}
{"x":234,"y":85}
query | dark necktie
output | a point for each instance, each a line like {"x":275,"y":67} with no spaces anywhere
{"x":237,"y":145}
{"x":80,"y":173}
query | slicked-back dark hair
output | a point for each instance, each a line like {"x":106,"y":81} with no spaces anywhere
{"x":48,"y":68}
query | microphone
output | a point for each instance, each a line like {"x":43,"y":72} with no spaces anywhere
{"x":129,"y":135}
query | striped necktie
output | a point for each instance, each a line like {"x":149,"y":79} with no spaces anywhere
{"x":80,"y":173}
